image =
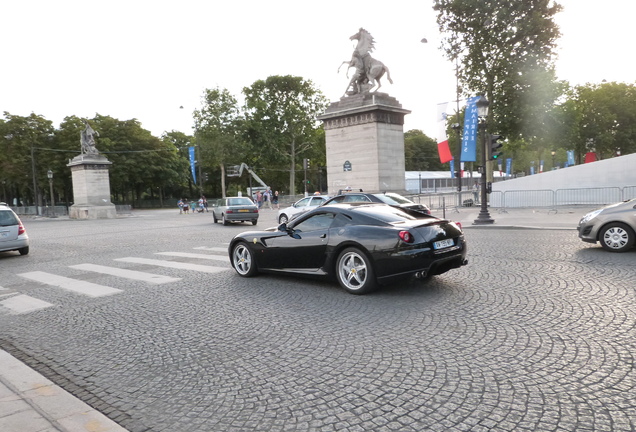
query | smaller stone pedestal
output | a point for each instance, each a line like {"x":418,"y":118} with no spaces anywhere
{"x":91,"y":188}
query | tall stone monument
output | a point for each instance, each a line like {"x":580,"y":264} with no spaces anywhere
{"x":91,"y":183}
{"x":365,"y":129}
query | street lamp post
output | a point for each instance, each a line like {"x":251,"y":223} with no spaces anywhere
{"x":482,"y":113}
{"x":49,"y":174}
{"x":553,"y":154}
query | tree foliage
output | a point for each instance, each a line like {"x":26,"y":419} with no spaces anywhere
{"x":505,"y":51}
{"x":421,"y":152}
{"x":281,"y":121}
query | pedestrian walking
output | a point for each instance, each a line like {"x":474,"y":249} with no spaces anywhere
{"x":275,"y":200}
{"x":476,"y":192}
{"x":259,"y":199}
{"x":180,"y":205}
{"x":267,"y":198}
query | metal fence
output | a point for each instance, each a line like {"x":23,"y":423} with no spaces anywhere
{"x":530,"y":198}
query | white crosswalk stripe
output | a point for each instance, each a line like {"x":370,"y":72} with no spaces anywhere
{"x":125,"y":273}
{"x":194,"y":255}
{"x":77,"y":286}
{"x":173,"y":264}
{"x":23,"y":303}
{"x":213,"y":249}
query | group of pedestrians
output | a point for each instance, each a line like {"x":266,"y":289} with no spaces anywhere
{"x":200,"y":206}
{"x":266,"y":199}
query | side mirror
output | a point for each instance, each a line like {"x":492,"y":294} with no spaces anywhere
{"x":282,"y":227}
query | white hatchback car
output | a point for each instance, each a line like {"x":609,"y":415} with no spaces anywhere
{"x":13,"y":235}
{"x":301,"y":206}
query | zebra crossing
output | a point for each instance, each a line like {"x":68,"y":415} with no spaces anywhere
{"x":16,"y":303}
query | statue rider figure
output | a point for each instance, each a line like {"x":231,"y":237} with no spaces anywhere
{"x":88,"y":139}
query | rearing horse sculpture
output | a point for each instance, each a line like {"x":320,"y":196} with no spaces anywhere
{"x":368,"y":69}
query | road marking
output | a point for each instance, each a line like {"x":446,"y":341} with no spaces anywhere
{"x":194,"y":255}
{"x":78,"y":286}
{"x":125,"y":273}
{"x":23,"y":303}
{"x":214,"y":249}
{"x":173,"y":264}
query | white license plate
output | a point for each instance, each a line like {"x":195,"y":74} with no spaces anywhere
{"x":443,"y":244}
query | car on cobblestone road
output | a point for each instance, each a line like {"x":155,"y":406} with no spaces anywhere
{"x":235,"y":209}
{"x":13,"y":235}
{"x":361,"y":245}
{"x":301,"y":206}
{"x":390,"y":198}
{"x":613,"y":226}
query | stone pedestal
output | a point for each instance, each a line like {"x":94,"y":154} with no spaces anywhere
{"x":91,"y":188}
{"x":365,"y":143}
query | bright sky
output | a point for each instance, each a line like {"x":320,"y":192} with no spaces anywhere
{"x":145,"y":59}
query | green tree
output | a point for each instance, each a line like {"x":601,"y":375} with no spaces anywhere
{"x":24,"y":155}
{"x":218,"y":127}
{"x":281,"y":116}
{"x":505,"y":51}
{"x":421,"y":152}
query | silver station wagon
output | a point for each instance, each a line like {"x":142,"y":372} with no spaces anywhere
{"x":235,"y":209}
{"x":13,"y":235}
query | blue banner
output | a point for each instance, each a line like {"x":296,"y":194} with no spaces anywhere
{"x":452,"y":166}
{"x":570,"y":157}
{"x":192,"y":162}
{"x":471,"y":124}
{"x":508,"y":166}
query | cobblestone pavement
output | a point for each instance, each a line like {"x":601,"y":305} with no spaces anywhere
{"x":537,"y":333}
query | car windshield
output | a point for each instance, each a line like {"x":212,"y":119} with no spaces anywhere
{"x":385,"y":213}
{"x":393,"y":199}
{"x":239,"y":201}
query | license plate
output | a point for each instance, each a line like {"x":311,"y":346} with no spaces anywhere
{"x":443,"y":244}
{"x":4,"y":234}
{"x":244,"y":211}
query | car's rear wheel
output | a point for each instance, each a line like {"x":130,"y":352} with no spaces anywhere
{"x":243,"y":260}
{"x":283,"y":219}
{"x":617,"y":237}
{"x":255,"y":221}
{"x":225,"y":221}
{"x":24,"y":251}
{"x":354,"y":271}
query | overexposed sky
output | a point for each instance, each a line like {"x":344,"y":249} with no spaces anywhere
{"x":145,"y":59}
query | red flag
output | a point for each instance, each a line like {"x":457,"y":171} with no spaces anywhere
{"x":590,"y":157}
{"x":442,"y":139}
{"x":444,"y":152}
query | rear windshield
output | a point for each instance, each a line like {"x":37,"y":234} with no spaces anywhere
{"x":384,"y":213}
{"x":7,"y":218}
{"x":239,"y":201}
{"x":393,"y":199}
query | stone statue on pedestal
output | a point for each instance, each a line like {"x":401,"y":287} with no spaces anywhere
{"x":367,"y":69}
{"x":87,"y":138}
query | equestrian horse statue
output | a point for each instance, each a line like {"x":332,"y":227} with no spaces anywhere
{"x":368,"y":70}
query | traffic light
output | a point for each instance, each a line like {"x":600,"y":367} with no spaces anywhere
{"x":306,"y":163}
{"x":489,"y":187}
{"x":495,"y":147}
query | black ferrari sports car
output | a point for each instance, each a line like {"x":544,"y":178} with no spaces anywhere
{"x":359,"y":244}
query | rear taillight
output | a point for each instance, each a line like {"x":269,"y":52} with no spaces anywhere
{"x":21,"y":229}
{"x":459,"y":225}
{"x":406,"y":236}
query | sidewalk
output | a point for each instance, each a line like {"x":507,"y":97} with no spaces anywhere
{"x":31,"y":403}
{"x":566,"y":218}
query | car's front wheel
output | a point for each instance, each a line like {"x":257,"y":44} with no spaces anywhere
{"x":354,"y":271}
{"x":283,"y":219}
{"x":243,"y":260}
{"x":617,"y":237}
{"x":214,"y":217}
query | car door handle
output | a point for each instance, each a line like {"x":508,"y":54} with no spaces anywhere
{"x":323,"y":236}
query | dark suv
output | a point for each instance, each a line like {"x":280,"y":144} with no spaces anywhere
{"x":389,"y":198}
{"x":13,"y":235}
